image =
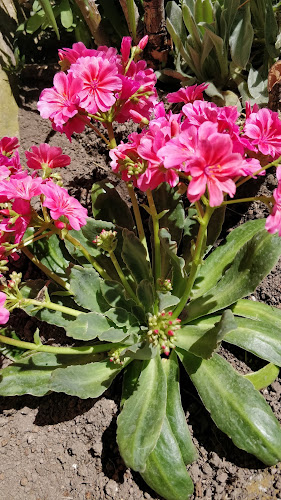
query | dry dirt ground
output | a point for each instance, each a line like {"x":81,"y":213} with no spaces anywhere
{"x":60,"y":447}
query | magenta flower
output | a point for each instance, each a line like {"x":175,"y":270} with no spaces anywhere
{"x":126,"y":49}
{"x":8,"y":145}
{"x":213,"y":166}
{"x":70,"y":56}
{"x":273,"y":221}
{"x":61,"y":102}
{"x":263,"y":128}
{"x":43,"y":156}
{"x":61,"y":204}
{"x":188,"y":94}
{"x":100,"y":82}
{"x":21,"y":186}
{"x":4,"y":313}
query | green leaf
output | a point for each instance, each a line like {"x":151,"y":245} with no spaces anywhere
{"x":140,"y":421}
{"x":113,"y":335}
{"x":88,"y":326}
{"x":242,"y":36}
{"x":263,"y":377}
{"x":220,"y":51}
{"x":109,"y":206}
{"x":258,"y":311}
{"x":130,"y":380}
{"x":66,"y":15}
{"x":9,"y":351}
{"x":176,"y":28}
{"x":215,"y":225}
{"x":53,"y":254}
{"x":251,"y":264}
{"x":167,"y":198}
{"x":203,"y":11}
{"x":165,"y":470}
{"x":113,"y":293}
{"x":228,"y":16}
{"x":270,"y":29}
{"x":47,"y":7}
{"x":192,"y":27}
{"x":85,"y":284}
{"x":260,"y":338}
{"x":134,"y":256}
{"x":236,"y":407}
{"x":145,"y":294}
{"x":140,"y":350}
{"x":216,"y":264}
{"x":132,"y":18}
{"x":171,"y":248}
{"x":35,"y":22}
{"x":257,"y":84}
{"x":85,"y":381}
{"x":121,"y":317}
{"x":175,"y":413}
{"x":167,"y":300}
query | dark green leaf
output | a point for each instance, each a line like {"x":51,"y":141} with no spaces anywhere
{"x":174,"y":410}
{"x":145,"y":294}
{"x":47,"y":7}
{"x":141,"y":419}
{"x":215,"y":225}
{"x":141,"y":351}
{"x":170,"y":248}
{"x":258,"y":311}
{"x":216,"y":264}
{"x":167,"y":300}
{"x":109,"y":206}
{"x":165,"y":470}
{"x":113,"y":335}
{"x":121,"y":317}
{"x":113,"y":293}
{"x":251,"y":264}
{"x":88,"y":326}
{"x":35,"y":22}
{"x":167,"y":198}
{"x":85,"y":381}
{"x":236,"y":407}
{"x":270,"y":29}
{"x":134,"y":256}
{"x":242,"y":36}
{"x":52,"y":253}
{"x":11,"y":352}
{"x":130,"y":379}
{"x":85,"y":284}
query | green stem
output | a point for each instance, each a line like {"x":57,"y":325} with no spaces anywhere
{"x":138,"y":218}
{"x":88,"y":256}
{"x":274,"y":163}
{"x":52,"y":306}
{"x":112,"y":141}
{"x":45,"y":269}
{"x":122,"y":277}
{"x":157,"y":249}
{"x":263,"y":199}
{"x":196,"y":262}
{"x":30,"y":346}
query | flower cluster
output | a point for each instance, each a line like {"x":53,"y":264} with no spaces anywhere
{"x":99,"y":84}
{"x":106,"y":240}
{"x":18,"y":189}
{"x":162,"y":331}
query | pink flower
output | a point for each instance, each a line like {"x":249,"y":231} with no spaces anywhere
{"x":61,"y":204}
{"x":8,"y":145}
{"x":213,"y":166}
{"x":188,"y":94}
{"x":21,"y":186}
{"x":43,"y":156}
{"x":4,"y":313}
{"x":70,"y":56}
{"x":126,"y":49}
{"x":263,"y":128}
{"x":100,"y":82}
{"x":273,"y":221}
{"x":61,"y":102}
{"x":143,"y":42}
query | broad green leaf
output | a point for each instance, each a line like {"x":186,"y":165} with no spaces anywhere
{"x":88,"y":326}
{"x":145,"y":294}
{"x":258,"y":311}
{"x":121,"y":317}
{"x":113,"y":335}
{"x":52,"y":253}
{"x":35,"y":22}
{"x":116,"y":18}
{"x":134,"y":256}
{"x":167,"y":198}
{"x":47,"y":7}
{"x":261,"y":338}
{"x":132,"y":18}
{"x":170,"y":248}
{"x":215,"y":225}
{"x":85,"y":381}
{"x":167,"y":300}
{"x":251,"y":264}
{"x":174,"y":411}
{"x":66,"y":15}
{"x":176,"y":28}
{"x":242,"y":36}
{"x":113,"y":293}
{"x":228,"y":16}
{"x":263,"y":377}
{"x":9,"y":351}
{"x":85,"y":285}
{"x":165,"y":471}
{"x":141,"y":350}
{"x":130,"y":379}
{"x":141,"y":419}
{"x":236,"y":407}
{"x":192,"y":27}
{"x":270,"y":29}
{"x":32,"y":374}
{"x":109,"y":206}
{"x":203,"y":339}
{"x":257,"y":84}
{"x":216,"y":264}
{"x":203,"y":11}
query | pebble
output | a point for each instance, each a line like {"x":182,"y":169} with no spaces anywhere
{"x":24,"y":481}
{"x":222,"y":477}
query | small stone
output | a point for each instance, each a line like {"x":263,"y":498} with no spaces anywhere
{"x":2,"y":477}
{"x":111,"y":488}
{"x":222,"y":477}
{"x":29,"y":439}
{"x":4,"y":442}
{"x":24,"y":481}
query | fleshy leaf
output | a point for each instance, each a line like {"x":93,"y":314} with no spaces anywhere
{"x":88,"y":326}
{"x":145,"y":295}
{"x":85,"y":284}
{"x":85,"y":381}
{"x":174,"y":410}
{"x":263,"y":377}
{"x":109,"y":206}
{"x":134,"y":256}
{"x":236,"y":407}
{"x":141,"y":419}
{"x":165,"y":471}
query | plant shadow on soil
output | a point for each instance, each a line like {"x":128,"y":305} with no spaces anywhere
{"x":65,"y":447}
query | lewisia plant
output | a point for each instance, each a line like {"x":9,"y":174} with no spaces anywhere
{"x":137,"y":303}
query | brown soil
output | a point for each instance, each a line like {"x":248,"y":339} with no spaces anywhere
{"x":60,"y":447}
